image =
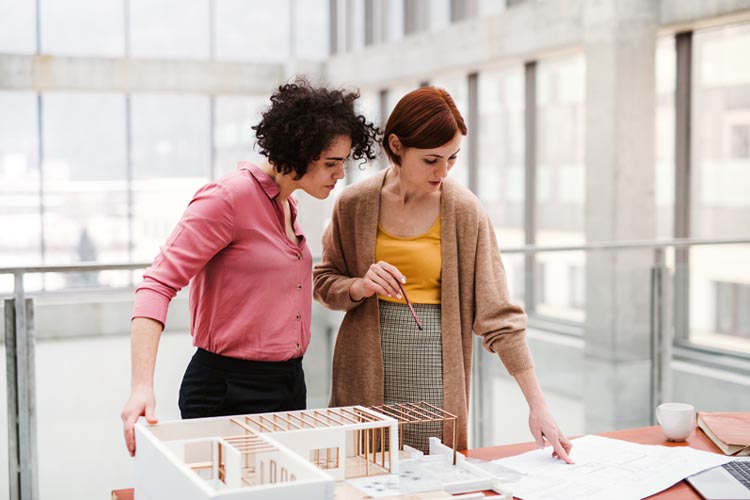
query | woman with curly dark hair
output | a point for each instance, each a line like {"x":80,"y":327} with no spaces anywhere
{"x":251,"y":269}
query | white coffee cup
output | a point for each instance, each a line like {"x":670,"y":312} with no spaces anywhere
{"x":677,"y":420}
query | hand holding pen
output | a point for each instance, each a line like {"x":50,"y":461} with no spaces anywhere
{"x":384,"y":279}
{"x":411,"y":308}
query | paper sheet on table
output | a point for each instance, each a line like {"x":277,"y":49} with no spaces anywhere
{"x":606,"y":468}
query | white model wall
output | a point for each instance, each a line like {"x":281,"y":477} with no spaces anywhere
{"x":157,"y":477}
{"x":303,"y":442}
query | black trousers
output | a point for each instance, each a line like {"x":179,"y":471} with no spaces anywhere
{"x":215,"y":385}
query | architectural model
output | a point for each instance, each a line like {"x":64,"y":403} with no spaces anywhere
{"x":285,"y":455}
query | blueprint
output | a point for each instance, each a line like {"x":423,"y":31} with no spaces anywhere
{"x":606,"y":468}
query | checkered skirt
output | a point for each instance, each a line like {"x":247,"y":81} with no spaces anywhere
{"x":413,"y":362}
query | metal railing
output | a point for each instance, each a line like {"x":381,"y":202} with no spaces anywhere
{"x":19,"y":351}
{"x":625,"y":245}
{"x":19,"y":342}
{"x":661,"y":321}
{"x":664,"y":292}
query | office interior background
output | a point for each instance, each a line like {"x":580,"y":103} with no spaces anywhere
{"x":609,"y":141}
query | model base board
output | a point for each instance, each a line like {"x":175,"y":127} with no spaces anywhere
{"x":319,"y":454}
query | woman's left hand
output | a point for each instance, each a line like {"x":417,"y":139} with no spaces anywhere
{"x":543,"y":427}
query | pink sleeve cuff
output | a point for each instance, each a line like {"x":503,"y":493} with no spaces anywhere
{"x":151,"y":304}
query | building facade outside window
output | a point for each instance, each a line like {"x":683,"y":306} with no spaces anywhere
{"x":560,"y":178}
{"x":96,"y":29}
{"x":732,"y":311}
{"x":234,"y":138}
{"x":84,"y":174}
{"x":500,"y":162}
{"x":171,"y":160}
{"x":20,"y":197}
{"x":720,"y":183}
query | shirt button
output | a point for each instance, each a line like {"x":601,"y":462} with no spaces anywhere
{"x":299,"y":256}
{"x":299,"y":286}
{"x":296,"y":346}
{"x":298,"y":317}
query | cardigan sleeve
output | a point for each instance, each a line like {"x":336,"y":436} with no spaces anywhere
{"x":332,"y":278}
{"x":205,"y":228}
{"x":500,"y":323}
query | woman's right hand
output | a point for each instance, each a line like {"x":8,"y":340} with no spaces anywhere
{"x":381,"y":278}
{"x":141,"y":403}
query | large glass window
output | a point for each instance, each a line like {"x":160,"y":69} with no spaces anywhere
{"x":560,"y":181}
{"x":720,"y":125}
{"x":234,"y":138}
{"x":83,"y":27}
{"x":85,"y":182}
{"x":311,"y":29}
{"x":17,"y":26}
{"x":732,"y":311}
{"x":178,"y":29}
{"x":171,"y":154}
{"x":251,"y":30}
{"x":501,"y":162}
{"x":720,"y":183}
{"x":19,"y":183}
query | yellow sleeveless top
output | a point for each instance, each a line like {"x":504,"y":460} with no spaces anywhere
{"x":418,"y":259}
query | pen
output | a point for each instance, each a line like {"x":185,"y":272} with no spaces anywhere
{"x":411,"y":308}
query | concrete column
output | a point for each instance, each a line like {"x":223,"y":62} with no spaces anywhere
{"x":619,"y":43}
{"x":393,"y":20}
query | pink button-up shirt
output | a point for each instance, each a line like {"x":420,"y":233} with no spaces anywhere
{"x":251,"y":295}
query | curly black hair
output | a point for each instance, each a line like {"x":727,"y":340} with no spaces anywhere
{"x":303,"y":120}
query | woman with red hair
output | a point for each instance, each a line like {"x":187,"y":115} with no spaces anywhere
{"x":412,"y":258}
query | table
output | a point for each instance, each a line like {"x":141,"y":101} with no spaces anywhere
{"x":643,"y":435}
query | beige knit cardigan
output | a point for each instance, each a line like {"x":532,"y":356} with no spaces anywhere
{"x":474,"y":297}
